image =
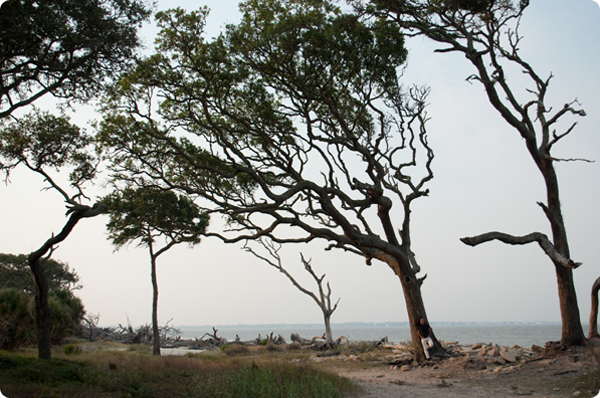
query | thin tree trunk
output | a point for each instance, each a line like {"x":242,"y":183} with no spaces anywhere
{"x":593,"y":333}
{"x":155,"y":329}
{"x":328,"y":333}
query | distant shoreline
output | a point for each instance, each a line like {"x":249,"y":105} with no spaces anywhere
{"x":361,"y":325}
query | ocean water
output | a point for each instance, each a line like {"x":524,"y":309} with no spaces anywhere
{"x":523,"y":335}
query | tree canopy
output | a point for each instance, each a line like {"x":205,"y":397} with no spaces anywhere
{"x":69,"y":48}
{"x":145,"y":214}
{"x":292,"y":124}
{"x":15,"y":273}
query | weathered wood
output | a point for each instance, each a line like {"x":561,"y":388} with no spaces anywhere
{"x":593,"y":332}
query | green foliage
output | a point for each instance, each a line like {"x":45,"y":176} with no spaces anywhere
{"x":129,"y":374}
{"x":64,"y":47}
{"x":271,"y":381}
{"x":66,"y":314}
{"x":40,"y":140}
{"x":15,"y":273}
{"x":17,"y":323}
{"x":224,"y":347}
{"x":146,"y":213}
{"x":71,"y":349}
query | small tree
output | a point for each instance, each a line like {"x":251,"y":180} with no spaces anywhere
{"x":146,"y":215}
{"x":42,"y":142}
{"x":323,"y":300}
{"x":487,"y":34}
{"x":63,"y":47}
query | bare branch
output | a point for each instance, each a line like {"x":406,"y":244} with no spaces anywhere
{"x":540,"y":238}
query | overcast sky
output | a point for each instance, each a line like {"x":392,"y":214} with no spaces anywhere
{"x":484,"y":180}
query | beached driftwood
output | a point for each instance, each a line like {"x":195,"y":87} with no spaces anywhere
{"x":318,"y":342}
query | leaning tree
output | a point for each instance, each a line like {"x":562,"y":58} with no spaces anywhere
{"x":46,"y":144}
{"x":292,"y":124}
{"x":158,"y":220}
{"x":486,"y":32}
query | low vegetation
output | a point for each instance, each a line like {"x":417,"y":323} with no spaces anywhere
{"x":76,"y":372}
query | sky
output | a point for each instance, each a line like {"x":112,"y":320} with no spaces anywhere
{"x":484,"y":181}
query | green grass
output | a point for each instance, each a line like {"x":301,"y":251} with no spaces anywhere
{"x":136,"y":373}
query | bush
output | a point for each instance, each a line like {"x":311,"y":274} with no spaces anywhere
{"x":17,"y":325}
{"x":236,"y":349}
{"x":17,"y":317}
{"x":293,"y":347}
{"x":66,"y":314}
{"x":70,"y":349}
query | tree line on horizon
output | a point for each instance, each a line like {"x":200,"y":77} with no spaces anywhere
{"x":293,"y":126}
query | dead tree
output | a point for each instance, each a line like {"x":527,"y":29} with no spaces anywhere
{"x":487,"y":34}
{"x":324,"y":298}
{"x":593,"y":333}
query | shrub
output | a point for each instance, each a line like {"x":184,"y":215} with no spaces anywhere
{"x":66,"y":314}
{"x":17,"y":324}
{"x":17,"y":317}
{"x":293,"y":347}
{"x":272,"y":348}
{"x":70,"y":349}
{"x":236,"y":350}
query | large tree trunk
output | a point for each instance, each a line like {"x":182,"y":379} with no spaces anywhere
{"x":415,"y":307}
{"x":572,"y":331}
{"x":42,"y":309}
{"x":593,"y":333}
{"x":155,"y":329}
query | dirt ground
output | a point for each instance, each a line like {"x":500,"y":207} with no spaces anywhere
{"x":556,"y":374}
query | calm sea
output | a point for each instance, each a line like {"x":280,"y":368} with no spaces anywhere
{"x":523,"y":335}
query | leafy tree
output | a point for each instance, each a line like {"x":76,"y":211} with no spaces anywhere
{"x":42,"y":142}
{"x":15,"y":273}
{"x":487,"y":33}
{"x":292,"y":124}
{"x":146,"y":215}
{"x":68,"y":48}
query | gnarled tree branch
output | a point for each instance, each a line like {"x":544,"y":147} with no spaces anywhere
{"x":538,"y":237}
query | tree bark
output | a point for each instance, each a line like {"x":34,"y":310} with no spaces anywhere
{"x":593,"y":333}
{"x":572,"y":331}
{"x":413,"y":298}
{"x":155,"y":329}
{"x":328,"y":333}
{"x":42,"y":309}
